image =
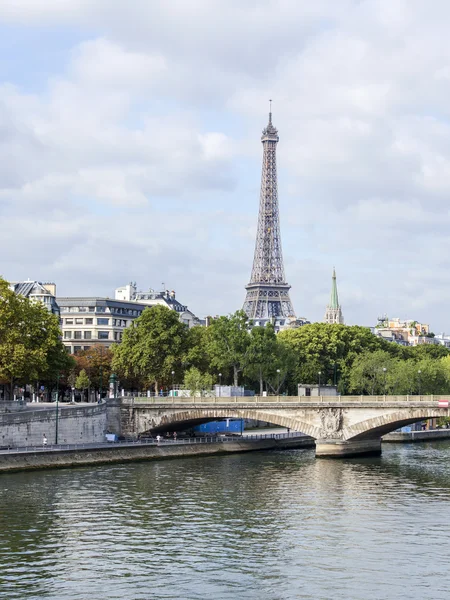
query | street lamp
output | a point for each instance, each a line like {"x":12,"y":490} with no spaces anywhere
{"x":173,"y":375}
{"x":220,"y":384}
{"x":113,"y":385}
{"x":319,"y":374}
{"x":384,"y":371}
{"x":419,"y":372}
{"x":278,"y":388}
{"x":57,"y":403}
{"x":101,"y":372}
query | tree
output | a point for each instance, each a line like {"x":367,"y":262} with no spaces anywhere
{"x":152,"y":347}
{"x":330,"y":349}
{"x":30,"y":341}
{"x":196,"y":354}
{"x":196,"y":382}
{"x":228,"y":343}
{"x":371,"y":373}
{"x":96,"y":361}
{"x":82,"y":381}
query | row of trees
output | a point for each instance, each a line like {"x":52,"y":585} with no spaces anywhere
{"x":158,"y":351}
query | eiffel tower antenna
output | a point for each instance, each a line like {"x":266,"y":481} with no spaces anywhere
{"x":268,"y":293}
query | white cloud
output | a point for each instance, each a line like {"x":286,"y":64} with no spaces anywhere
{"x":143,"y":151}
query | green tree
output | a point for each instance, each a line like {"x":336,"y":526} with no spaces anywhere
{"x":96,"y":361}
{"x":261,"y":354}
{"x":82,"y":381}
{"x":30,"y":341}
{"x":371,"y":373}
{"x":196,"y":382}
{"x":152,"y":347}
{"x":228,"y":343}
{"x":330,"y":349}
{"x":196,"y":354}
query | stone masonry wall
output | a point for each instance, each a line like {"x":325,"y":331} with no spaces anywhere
{"x":86,"y":424}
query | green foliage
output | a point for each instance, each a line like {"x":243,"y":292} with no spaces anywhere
{"x":96,"y":361}
{"x":371,"y":373}
{"x":82,"y":382}
{"x":228,"y":341}
{"x":196,"y":354}
{"x":152,"y":347}
{"x":30,"y":341}
{"x":262,"y":353}
{"x":197,"y":383}
{"x":330,"y":349}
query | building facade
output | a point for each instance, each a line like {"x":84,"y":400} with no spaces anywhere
{"x":405,"y":332}
{"x":40,"y":292}
{"x":333,"y":312}
{"x":87,"y":322}
{"x":166,"y":298}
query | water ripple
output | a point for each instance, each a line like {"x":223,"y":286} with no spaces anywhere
{"x":276,"y":525}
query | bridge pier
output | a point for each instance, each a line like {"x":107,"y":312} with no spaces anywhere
{"x":335,"y":448}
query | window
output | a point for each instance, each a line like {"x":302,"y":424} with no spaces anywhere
{"x":103,"y":335}
{"x":89,"y":321}
{"x":115,"y":335}
{"x":77,"y":349}
{"x":67,"y":335}
{"x":88,"y":335}
{"x":77,"y":335}
{"x":92,"y":309}
{"x":82,"y":309}
{"x":114,"y":322}
{"x":78,"y":321}
{"x":69,"y":321}
{"x":63,"y":309}
{"x":101,"y":309}
{"x":102,"y":321}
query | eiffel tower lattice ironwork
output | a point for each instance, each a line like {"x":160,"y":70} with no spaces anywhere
{"x":268,"y":293}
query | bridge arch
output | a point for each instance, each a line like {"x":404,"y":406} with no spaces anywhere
{"x":385,"y":423}
{"x":167,"y":420}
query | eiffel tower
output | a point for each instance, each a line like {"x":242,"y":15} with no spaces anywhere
{"x":268,"y":293}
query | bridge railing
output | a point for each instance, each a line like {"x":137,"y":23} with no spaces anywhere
{"x":248,"y":400}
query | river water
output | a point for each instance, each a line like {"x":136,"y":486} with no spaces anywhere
{"x":266,"y":525}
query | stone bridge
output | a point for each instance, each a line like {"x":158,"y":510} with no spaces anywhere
{"x":341,"y":425}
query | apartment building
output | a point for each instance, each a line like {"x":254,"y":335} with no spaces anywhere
{"x":151,"y":297}
{"x":37,"y":291}
{"x":86,"y":322}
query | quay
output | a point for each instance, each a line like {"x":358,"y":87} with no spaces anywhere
{"x":78,"y":455}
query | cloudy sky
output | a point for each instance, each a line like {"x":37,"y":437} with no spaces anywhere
{"x":130,"y":148}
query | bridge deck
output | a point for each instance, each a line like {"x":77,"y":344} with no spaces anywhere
{"x":431,"y":401}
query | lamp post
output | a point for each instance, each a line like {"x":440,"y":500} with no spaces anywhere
{"x":220,"y":384}
{"x":384,"y":371}
{"x":101,"y":372}
{"x":57,"y":404}
{"x":173,"y":375}
{"x":419,"y":373}
{"x":113,"y":385}
{"x":318,"y":390}
{"x":278,"y":388}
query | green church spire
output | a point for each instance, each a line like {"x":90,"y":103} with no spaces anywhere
{"x":334,"y":300}
{"x":333,"y":313}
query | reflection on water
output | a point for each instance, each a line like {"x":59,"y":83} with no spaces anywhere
{"x":275,"y":525}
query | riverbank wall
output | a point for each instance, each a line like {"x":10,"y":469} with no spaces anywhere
{"x":75,"y":424}
{"x":109,"y":454}
{"x":399,"y":437}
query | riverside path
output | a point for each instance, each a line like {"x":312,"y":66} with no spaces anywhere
{"x":341,"y":425}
